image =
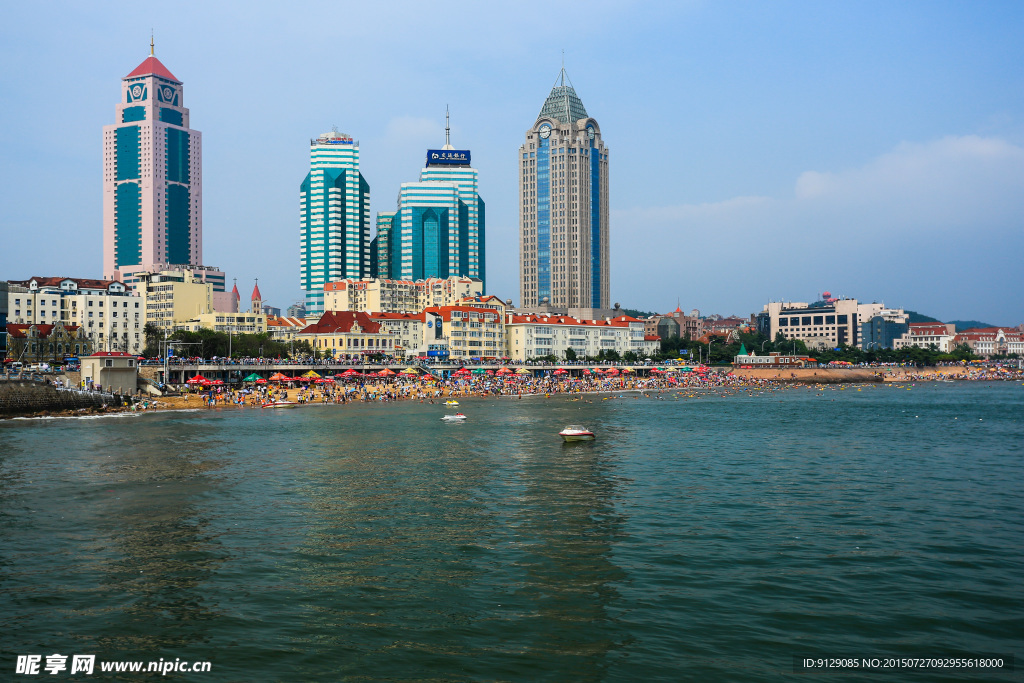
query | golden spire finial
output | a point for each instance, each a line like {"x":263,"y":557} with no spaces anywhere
{"x":150,"y":42}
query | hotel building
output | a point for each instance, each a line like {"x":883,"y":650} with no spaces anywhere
{"x":563,"y":210}
{"x":152,"y":176}
{"x":334,"y":240}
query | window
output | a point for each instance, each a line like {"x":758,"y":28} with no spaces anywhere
{"x":819,"y":320}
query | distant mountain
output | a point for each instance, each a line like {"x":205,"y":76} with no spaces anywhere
{"x":962,"y":325}
{"x":915,"y":317}
{"x":633,"y":313}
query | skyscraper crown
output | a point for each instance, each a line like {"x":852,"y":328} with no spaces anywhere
{"x":563,"y":104}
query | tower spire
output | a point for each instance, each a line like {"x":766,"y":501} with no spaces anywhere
{"x":150,"y":42}
{"x":447,"y":127}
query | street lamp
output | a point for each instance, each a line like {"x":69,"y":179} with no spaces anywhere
{"x":762,"y":345}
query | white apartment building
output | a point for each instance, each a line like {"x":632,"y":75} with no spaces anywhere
{"x":532,"y":336}
{"x":110,"y":317}
{"x":398,"y":296}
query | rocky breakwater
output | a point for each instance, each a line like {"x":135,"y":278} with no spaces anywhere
{"x":25,"y":397}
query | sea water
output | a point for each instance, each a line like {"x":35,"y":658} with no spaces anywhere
{"x":702,"y":536}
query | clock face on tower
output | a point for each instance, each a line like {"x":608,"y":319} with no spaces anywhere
{"x":545,"y":131}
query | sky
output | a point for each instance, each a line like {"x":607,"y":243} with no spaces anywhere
{"x":759,"y":151}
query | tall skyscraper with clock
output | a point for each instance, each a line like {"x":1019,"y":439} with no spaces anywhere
{"x":152,"y":178}
{"x":563,"y":211}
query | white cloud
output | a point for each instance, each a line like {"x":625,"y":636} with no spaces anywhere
{"x":934,"y":225}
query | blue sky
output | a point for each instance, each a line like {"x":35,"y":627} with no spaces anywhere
{"x":758,"y":150}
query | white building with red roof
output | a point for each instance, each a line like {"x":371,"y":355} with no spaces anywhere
{"x":993,"y":341}
{"x":924,"y":335}
{"x":110,"y":316}
{"x":534,"y":336}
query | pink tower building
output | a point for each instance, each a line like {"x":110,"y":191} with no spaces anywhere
{"x":152,"y":179}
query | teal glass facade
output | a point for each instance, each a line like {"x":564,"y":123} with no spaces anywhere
{"x":595,"y":227}
{"x":131,"y":114}
{"x":128,"y":223}
{"x":171,"y":116}
{"x":543,"y":221}
{"x":177,"y":208}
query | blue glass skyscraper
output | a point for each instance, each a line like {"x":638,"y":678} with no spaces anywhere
{"x":563,"y":216}
{"x":438,"y":226}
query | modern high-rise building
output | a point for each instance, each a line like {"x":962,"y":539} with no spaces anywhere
{"x":563,"y":213}
{"x":152,"y":177}
{"x":335,"y":225}
{"x":438,"y":228}
{"x":380,"y":249}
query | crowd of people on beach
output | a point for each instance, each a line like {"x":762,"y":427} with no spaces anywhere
{"x":429,"y":389}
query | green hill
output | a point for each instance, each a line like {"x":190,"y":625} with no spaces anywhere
{"x":915,"y":317}
{"x":962,"y":325}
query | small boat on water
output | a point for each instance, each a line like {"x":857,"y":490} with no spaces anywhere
{"x":576,"y":433}
{"x":457,"y":417}
{"x":279,"y":404}
{"x":451,"y":403}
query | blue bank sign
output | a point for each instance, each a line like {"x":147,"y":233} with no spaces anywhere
{"x":447,"y":156}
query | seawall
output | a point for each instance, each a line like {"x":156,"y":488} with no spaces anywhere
{"x":23,"y":397}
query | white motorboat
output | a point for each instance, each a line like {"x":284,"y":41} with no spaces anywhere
{"x":279,"y":404}
{"x":576,"y":433}
{"x":457,"y":417}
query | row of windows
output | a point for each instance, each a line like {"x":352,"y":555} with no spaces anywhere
{"x":817,"y":320}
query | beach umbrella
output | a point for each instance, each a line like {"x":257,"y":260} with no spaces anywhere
{"x":198,"y":379}
{"x":628,"y":370}
{"x":261,"y":381}
{"x":279,"y":377}
{"x":656,"y":371}
{"x":428,"y":378}
{"x":561,"y":371}
{"x":311,"y":375}
{"x":490,"y":372}
{"x":611,"y":372}
{"x":251,"y":378}
{"x":523,"y":371}
{"x":479,"y":371}
{"x":217,"y":382}
{"x":408,"y":371}
{"x":386,"y":373}
{"x":504,"y":371}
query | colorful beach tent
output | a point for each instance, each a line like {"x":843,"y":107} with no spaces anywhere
{"x":251,"y":378}
{"x":198,"y":379}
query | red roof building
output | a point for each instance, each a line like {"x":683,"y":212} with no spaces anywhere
{"x":347,"y":333}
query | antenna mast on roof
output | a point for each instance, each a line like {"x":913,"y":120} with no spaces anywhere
{"x":150,"y":42}
{"x":447,"y":129}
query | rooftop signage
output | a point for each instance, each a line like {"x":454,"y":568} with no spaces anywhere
{"x":450,"y":157}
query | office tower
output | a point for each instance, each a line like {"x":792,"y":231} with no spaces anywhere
{"x":439,"y":224}
{"x":380,"y":250}
{"x":563,"y":217}
{"x":152,"y":177}
{"x":335,"y":207}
